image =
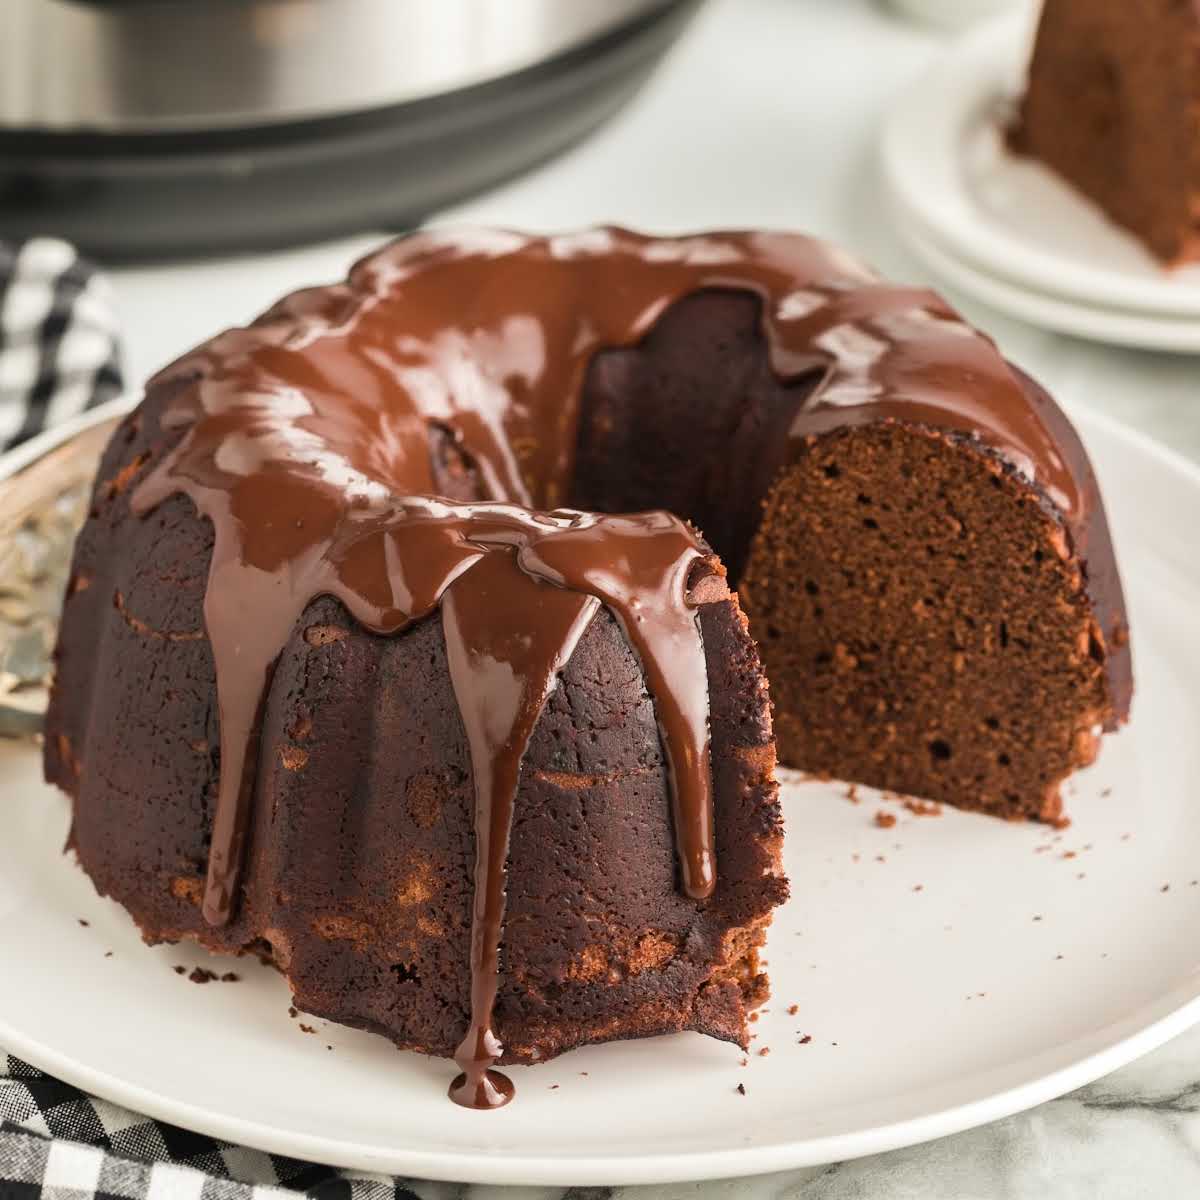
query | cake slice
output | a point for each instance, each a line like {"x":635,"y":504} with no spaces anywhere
{"x":1113,"y":106}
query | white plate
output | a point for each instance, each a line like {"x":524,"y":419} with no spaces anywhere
{"x":1145,"y":330}
{"x":1005,"y":980}
{"x":944,"y":159}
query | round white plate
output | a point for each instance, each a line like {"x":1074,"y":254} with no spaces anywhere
{"x":1147,"y":331}
{"x":948,"y":970}
{"x":944,"y":159}
{"x":952,"y":14}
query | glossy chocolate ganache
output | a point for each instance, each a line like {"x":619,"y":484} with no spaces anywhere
{"x":306,"y":440}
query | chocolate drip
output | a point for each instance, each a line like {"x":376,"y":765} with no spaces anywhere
{"x":306,"y":441}
{"x":517,"y":590}
{"x":498,"y":632}
{"x":621,"y":560}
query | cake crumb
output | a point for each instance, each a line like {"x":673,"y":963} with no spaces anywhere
{"x":805,"y":1040}
{"x":202,"y":975}
{"x":554,"y":1087}
{"x":743,"y":1062}
{"x":923,"y":808}
{"x":793,"y":1009}
{"x":85,"y":924}
{"x":1069,"y":854}
{"x":181,"y":970}
{"x":1166,"y":887}
{"x":1037,"y":918}
{"x":1061,"y":822}
{"x":108,"y":954}
{"x":1058,"y":958}
{"x":1105,"y":793}
{"x":1081,"y":875}
{"x":918,"y":887}
{"x":880,"y":858}
{"x":740,"y":1089}
{"x":293,"y":1012}
{"x":307,"y":1029}
{"x":328,"y":1047}
{"x":885,"y":820}
{"x":230,"y":977}
{"x":764,"y":1052}
{"x":753,"y":1018}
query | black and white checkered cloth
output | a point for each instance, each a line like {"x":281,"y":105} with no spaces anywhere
{"x":57,"y":1143}
{"x":59,"y":354}
{"x":59,"y":349}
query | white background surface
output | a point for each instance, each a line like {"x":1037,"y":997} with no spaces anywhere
{"x":766,"y":114}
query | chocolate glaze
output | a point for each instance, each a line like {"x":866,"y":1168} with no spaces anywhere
{"x":306,"y":440}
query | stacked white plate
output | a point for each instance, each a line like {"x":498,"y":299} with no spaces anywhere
{"x":1006,"y":230}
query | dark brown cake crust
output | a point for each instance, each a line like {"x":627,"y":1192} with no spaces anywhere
{"x":360,"y":878}
{"x":1113,"y":105}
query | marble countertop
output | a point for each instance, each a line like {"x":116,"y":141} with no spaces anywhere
{"x":766,"y":114}
{"x":1132,"y":1135}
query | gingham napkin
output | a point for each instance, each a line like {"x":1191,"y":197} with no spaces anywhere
{"x":59,"y":354}
{"x":58,"y":1143}
{"x":58,"y":338}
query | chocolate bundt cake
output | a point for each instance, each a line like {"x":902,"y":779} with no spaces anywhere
{"x":340,"y":681}
{"x":1113,"y":105}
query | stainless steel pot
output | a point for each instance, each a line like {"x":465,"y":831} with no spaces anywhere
{"x":215,"y":64}
{"x":164,"y":126}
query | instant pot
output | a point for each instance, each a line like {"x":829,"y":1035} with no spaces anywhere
{"x":140,"y":128}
